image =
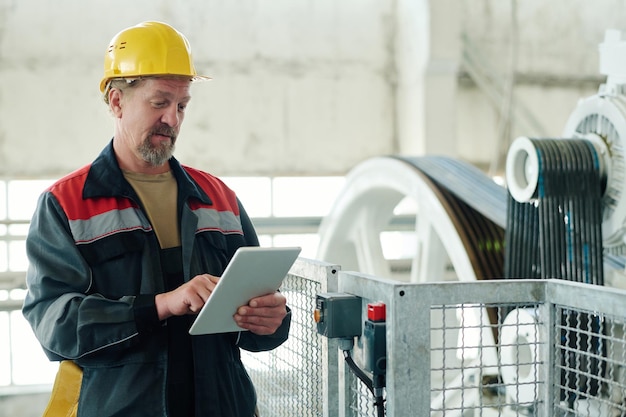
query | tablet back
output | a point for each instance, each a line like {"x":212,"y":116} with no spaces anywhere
{"x":252,"y":272}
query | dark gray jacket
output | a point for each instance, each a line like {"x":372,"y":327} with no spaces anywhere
{"x":94,"y":270}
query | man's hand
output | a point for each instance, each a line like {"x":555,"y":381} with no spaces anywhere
{"x":262,"y":315}
{"x":186,"y":299}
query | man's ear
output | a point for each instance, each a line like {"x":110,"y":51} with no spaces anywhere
{"x":115,"y":101}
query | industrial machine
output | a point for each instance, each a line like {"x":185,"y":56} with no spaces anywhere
{"x":457,"y":223}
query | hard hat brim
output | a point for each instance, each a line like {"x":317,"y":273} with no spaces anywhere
{"x":193,"y":79}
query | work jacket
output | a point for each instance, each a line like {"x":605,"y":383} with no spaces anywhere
{"x":94,"y":270}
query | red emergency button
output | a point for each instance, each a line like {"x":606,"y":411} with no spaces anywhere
{"x":376,"y":311}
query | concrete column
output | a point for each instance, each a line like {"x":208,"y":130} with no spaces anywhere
{"x":428,"y":53}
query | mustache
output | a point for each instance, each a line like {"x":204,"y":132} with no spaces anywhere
{"x":164,"y":130}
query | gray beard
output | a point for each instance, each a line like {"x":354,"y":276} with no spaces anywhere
{"x":155,"y":155}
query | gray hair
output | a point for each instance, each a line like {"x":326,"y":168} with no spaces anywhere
{"x":121,"y":84}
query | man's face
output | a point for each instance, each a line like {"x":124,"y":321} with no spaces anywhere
{"x":151,"y":116}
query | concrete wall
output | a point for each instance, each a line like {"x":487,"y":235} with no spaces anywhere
{"x":300,"y":86}
{"x":549,"y":49}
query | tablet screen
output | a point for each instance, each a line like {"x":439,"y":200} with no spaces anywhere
{"x":252,"y":272}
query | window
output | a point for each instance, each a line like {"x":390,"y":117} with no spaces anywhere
{"x":287,"y":210}
{"x":287,"y":205}
{"x":22,"y":361}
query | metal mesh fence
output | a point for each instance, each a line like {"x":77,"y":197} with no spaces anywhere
{"x":501,"y":348}
{"x":471,"y":374}
{"x":540,"y":348}
{"x":589,"y":363}
{"x":293,"y":385}
{"x":361,"y":402}
{"x":292,"y":380}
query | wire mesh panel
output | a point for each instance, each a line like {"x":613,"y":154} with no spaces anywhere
{"x":589,"y":364}
{"x":468,"y":376}
{"x":294,"y":379}
{"x":541,"y":348}
{"x":500,"y":348}
{"x":360,"y":402}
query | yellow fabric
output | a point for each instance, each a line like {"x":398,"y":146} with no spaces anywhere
{"x":158,"y":193}
{"x":65,"y":391}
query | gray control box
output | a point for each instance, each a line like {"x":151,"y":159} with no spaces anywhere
{"x":338,"y":315}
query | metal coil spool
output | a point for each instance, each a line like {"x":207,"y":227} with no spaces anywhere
{"x":554,"y":217}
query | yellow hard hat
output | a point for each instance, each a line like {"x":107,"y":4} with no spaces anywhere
{"x":150,"y":48}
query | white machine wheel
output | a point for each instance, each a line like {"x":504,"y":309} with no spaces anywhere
{"x":602,"y":120}
{"x":350,"y":234}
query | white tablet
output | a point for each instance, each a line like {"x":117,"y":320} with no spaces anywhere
{"x":252,"y":272}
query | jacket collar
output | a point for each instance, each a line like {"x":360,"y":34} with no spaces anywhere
{"x":105,"y":179}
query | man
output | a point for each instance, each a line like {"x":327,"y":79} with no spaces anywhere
{"x":125,"y":251}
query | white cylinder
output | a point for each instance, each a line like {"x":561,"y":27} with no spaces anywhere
{"x":519,"y":355}
{"x":522,"y":169}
